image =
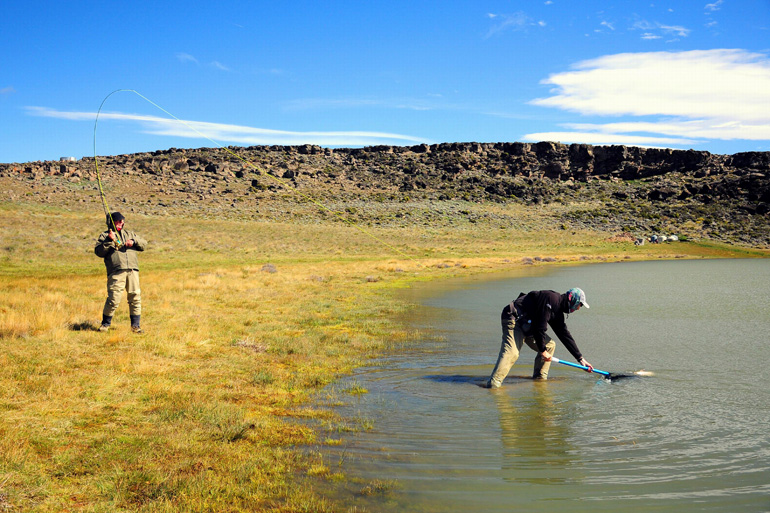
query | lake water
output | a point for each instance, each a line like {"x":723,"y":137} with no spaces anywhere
{"x":693,"y":437}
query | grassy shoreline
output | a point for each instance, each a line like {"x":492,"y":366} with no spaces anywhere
{"x":245,"y":322}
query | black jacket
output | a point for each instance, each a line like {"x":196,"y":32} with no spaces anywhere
{"x":543,"y":308}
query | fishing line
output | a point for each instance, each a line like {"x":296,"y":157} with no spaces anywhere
{"x":261,"y":172}
{"x":107,"y":211}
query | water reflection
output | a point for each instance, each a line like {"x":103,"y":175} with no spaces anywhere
{"x":460,"y":379}
{"x":535,"y":433}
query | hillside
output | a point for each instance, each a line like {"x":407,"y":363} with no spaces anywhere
{"x":614,"y":189}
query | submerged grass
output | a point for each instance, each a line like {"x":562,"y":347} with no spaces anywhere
{"x":244,"y":323}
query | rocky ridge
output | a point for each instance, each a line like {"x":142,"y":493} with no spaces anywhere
{"x":611,"y":188}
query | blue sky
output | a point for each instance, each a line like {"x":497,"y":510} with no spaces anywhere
{"x":677,"y":74}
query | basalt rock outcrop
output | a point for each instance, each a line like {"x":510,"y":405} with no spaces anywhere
{"x":724,"y":197}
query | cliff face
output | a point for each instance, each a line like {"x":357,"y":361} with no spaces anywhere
{"x":725,"y":197}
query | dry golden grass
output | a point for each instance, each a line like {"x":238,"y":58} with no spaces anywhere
{"x":206,"y":410}
{"x":202,"y":403}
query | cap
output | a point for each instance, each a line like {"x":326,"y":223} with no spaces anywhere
{"x":576,"y":297}
{"x":116,"y":217}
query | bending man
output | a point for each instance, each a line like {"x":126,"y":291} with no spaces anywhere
{"x":526,"y":320}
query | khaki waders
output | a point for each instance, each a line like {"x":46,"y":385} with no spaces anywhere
{"x":117,"y":283}
{"x":513,"y":339}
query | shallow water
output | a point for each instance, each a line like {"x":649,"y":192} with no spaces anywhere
{"x":694,"y":437}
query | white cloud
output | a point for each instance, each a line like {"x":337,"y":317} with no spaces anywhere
{"x":505,"y":22}
{"x":602,"y":139}
{"x":219,"y":132}
{"x":186,"y":57}
{"x":7,"y":90}
{"x":218,"y":65}
{"x":608,"y":25}
{"x":660,"y":30}
{"x":701,"y":94}
{"x":326,"y":103}
{"x":677,"y":127}
{"x":675,"y":30}
{"x":715,"y":6}
{"x":429,"y":102}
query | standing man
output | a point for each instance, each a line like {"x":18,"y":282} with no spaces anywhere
{"x":118,"y":249}
{"x":526,"y":320}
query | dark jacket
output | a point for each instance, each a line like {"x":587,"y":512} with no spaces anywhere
{"x":540,"y":309}
{"x":123,"y":259}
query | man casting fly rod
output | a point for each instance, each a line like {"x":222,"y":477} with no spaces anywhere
{"x":525,"y":321}
{"x":118,"y":247}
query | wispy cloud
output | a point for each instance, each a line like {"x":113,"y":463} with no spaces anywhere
{"x":505,"y":22}
{"x":432,"y":101}
{"x":238,"y":134}
{"x":7,"y":90}
{"x":715,"y":6}
{"x":678,"y":127}
{"x":702,"y":94}
{"x":608,"y":25}
{"x":655,"y":30}
{"x":355,"y":103}
{"x":676,"y":30}
{"x":601,"y":139}
{"x":333,"y":103}
{"x":186,"y":57}
{"x":218,"y":65}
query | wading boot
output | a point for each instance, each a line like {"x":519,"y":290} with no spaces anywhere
{"x":135,"y":322}
{"x":106,"y":321}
